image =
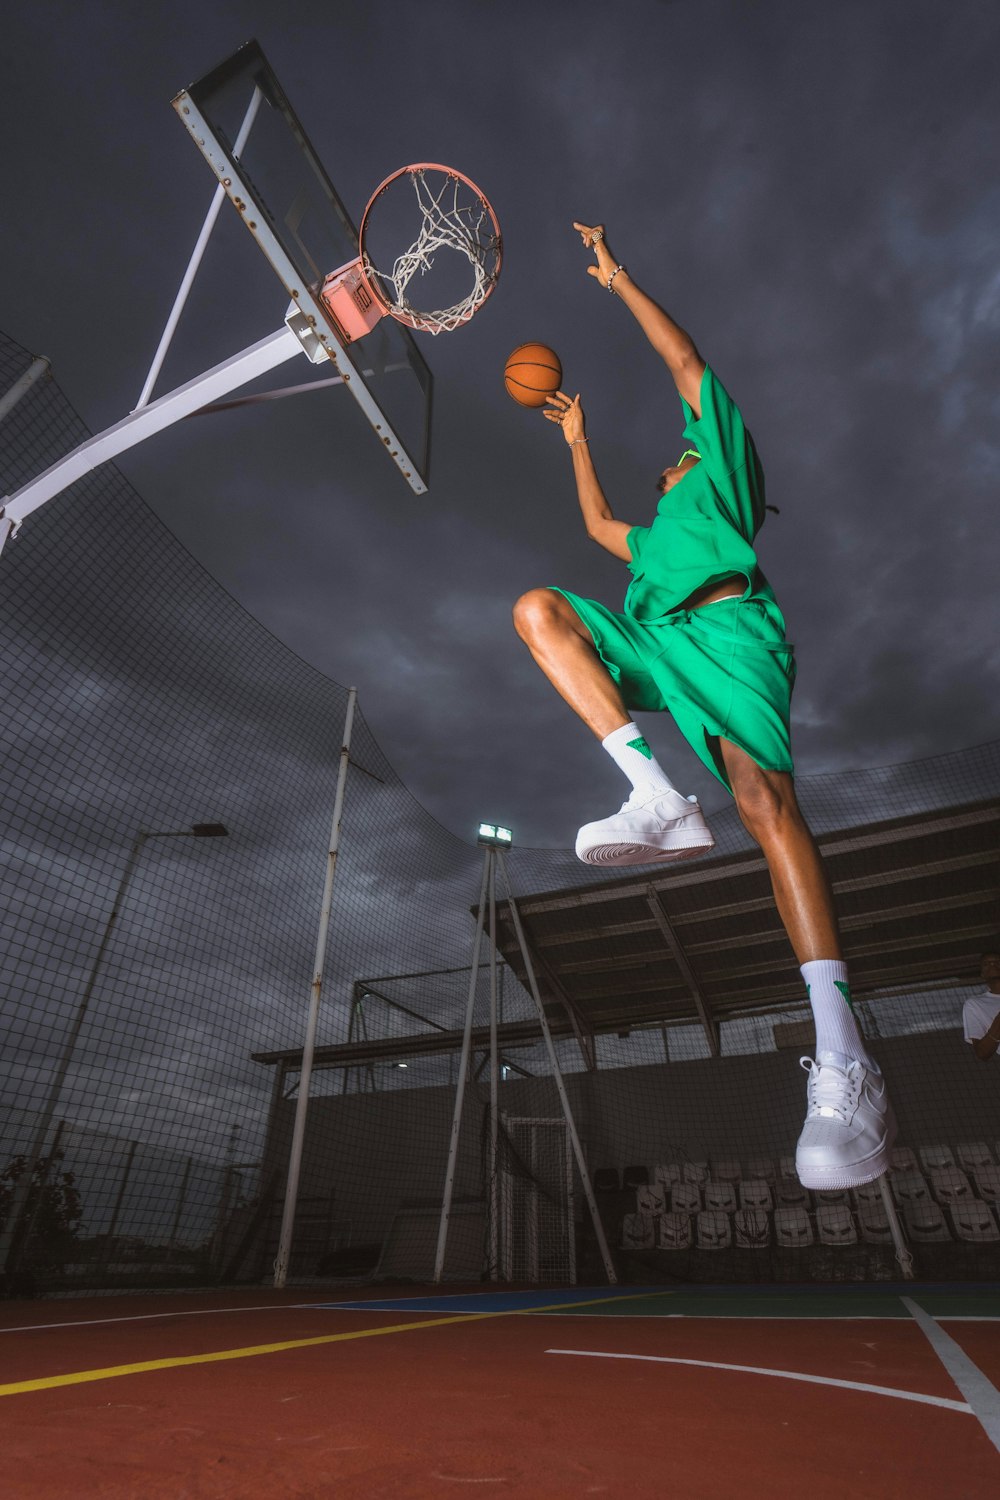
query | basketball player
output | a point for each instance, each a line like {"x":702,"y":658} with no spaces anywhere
{"x":701,"y":637}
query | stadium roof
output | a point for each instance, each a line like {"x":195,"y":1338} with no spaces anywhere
{"x":918,"y":898}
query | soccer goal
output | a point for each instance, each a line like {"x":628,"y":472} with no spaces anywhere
{"x":537,"y":1218}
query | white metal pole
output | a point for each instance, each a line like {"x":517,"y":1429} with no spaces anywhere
{"x":197,"y":256}
{"x":38,"y":367}
{"x":903,"y":1257}
{"x":494,"y":1086}
{"x":309,"y":1046}
{"x":560,"y":1085}
{"x":240,"y":368}
{"x":463,"y":1073}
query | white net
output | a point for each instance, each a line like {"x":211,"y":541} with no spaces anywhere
{"x":454,"y":217}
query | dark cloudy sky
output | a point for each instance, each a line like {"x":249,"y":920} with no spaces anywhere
{"x":811,"y":189}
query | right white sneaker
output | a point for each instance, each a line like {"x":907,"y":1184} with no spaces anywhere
{"x":849,"y":1128}
{"x":665,"y":826}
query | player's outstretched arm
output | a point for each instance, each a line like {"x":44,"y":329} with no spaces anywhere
{"x":597,"y":517}
{"x":671,"y":342}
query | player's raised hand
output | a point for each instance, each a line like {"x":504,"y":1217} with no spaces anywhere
{"x":568,"y":413}
{"x":594,"y":239}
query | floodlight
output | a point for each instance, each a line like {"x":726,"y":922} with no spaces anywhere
{"x":495,"y":835}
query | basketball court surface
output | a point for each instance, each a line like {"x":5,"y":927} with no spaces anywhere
{"x":544,"y":1393}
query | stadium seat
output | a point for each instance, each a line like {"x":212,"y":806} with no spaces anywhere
{"x":753,"y":1229}
{"x":789,"y":1192}
{"x":727,"y":1170}
{"x":973,"y":1154}
{"x":685,"y":1198}
{"x":675,"y":1231}
{"x":651,"y":1199}
{"x":696,"y":1172}
{"x":950,"y":1185}
{"x":635,"y":1176}
{"x":974,"y":1221}
{"x":835,"y":1225}
{"x":607,"y":1180}
{"x":792,"y":1229}
{"x":720,"y":1196}
{"x":761,"y":1169}
{"x":714,"y":1232}
{"x":786,"y":1167}
{"x":667,"y":1172}
{"x":909,"y":1188}
{"x":755,"y":1193}
{"x":936,"y":1156}
{"x":839,"y":1197}
{"x":874,"y":1223}
{"x":902,"y":1159}
{"x":987,"y":1180}
{"x":925,"y":1223}
{"x":638,"y":1232}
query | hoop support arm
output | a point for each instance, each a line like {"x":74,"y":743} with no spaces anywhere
{"x":228,"y":376}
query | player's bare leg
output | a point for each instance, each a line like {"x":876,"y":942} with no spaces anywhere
{"x":562,"y":646}
{"x":849,"y":1125}
{"x":770,"y":812}
{"x":657,"y":822}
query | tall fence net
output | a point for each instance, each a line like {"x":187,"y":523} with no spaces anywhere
{"x":168,"y":777}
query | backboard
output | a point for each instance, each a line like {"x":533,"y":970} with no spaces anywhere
{"x":241,"y":121}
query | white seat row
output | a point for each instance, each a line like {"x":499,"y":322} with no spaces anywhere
{"x":835,"y":1224}
{"x":969,"y":1156}
{"x":947,"y":1186}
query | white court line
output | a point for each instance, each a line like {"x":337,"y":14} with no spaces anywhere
{"x":846,"y":1385}
{"x":780,"y":1317}
{"x":981,"y":1394}
{"x":193,"y":1312}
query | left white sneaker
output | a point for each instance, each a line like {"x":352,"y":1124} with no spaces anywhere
{"x":666,"y":825}
{"x":849,"y":1128}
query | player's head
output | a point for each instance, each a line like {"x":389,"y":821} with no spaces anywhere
{"x":673,"y":473}
{"x":989,"y":965}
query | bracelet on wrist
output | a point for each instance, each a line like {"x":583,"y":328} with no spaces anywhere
{"x":573,"y":441}
{"x":611,"y":278}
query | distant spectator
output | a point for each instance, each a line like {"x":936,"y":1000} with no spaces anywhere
{"x":981,"y":1013}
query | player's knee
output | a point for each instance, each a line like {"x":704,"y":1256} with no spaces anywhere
{"x":534,"y":612}
{"x":762,"y":800}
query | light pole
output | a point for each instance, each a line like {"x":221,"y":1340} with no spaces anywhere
{"x":9,"y":1250}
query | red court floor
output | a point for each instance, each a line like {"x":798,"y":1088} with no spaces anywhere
{"x":538,"y":1395}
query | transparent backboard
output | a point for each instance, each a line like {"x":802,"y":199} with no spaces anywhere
{"x":241,"y":121}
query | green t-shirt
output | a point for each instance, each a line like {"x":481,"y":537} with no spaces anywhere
{"x":705,"y":525}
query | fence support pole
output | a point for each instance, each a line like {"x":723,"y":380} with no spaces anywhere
{"x":309,"y":1046}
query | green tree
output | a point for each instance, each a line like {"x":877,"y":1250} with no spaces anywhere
{"x":49,"y":1223}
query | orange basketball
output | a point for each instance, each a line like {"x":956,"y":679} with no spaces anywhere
{"x":531,"y":373}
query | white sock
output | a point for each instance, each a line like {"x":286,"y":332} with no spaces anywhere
{"x":838,"y":1038}
{"x":631,"y":754}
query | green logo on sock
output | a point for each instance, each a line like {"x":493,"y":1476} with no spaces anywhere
{"x":641,"y":746}
{"x":845,"y":990}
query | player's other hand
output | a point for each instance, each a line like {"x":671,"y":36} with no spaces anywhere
{"x":594,"y":239}
{"x":568,"y":413}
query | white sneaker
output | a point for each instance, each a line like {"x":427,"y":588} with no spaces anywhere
{"x":664,"y":826}
{"x":849,"y":1129}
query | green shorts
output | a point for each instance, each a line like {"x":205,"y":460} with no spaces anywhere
{"x":722,"y":671}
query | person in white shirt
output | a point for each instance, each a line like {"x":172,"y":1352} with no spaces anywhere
{"x":981,"y":1013}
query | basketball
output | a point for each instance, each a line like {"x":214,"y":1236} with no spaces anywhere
{"x":531,"y":373}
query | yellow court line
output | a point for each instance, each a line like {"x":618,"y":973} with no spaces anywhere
{"x":111,"y":1372}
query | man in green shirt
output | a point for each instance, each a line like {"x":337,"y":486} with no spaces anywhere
{"x":702,"y":638}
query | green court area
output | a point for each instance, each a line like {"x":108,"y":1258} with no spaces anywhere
{"x":978,"y":1302}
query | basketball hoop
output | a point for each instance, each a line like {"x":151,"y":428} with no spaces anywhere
{"x":452,"y":215}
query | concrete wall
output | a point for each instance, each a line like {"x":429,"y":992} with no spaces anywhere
{"x":376,"y":1150}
